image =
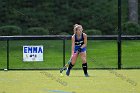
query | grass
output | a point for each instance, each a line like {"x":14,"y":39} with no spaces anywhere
{"x":100,"y":54}
{"x":100,"y":81}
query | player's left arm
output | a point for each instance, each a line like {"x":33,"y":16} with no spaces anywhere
{"x":85,"y":41}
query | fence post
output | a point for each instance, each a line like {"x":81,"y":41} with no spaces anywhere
{"x":64,"y":51}
{"x":119,"y":34}
{"x":7,"y":54}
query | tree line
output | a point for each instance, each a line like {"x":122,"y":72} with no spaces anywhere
{"x":40,"y":17}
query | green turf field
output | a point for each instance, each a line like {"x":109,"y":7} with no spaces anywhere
{"x":98,"y":52}
{"x":100,"y":81}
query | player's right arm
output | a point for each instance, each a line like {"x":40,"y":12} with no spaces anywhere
{"x":73,"y":44}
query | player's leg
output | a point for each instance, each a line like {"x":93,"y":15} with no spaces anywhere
{"x":73,"y":61}
{"x":74,"y":58}
{"x":84,"y":62}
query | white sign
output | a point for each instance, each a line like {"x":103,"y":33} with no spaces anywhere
{"x":33,"y":53}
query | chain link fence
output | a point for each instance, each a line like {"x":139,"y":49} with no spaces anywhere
{"x":57,"y":17}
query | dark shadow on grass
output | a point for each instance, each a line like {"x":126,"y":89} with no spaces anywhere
{"x":81,"y":76}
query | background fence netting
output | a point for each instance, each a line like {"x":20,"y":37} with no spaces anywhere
{"x":57,"y":17}
{"x":52,"y":50}
{"x":3,"y":55}
{"x":130,"y":26}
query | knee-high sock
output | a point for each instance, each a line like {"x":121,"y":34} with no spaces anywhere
{"x":70,"y":66}
{"x":84,"y":65}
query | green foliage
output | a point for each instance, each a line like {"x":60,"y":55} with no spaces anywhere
{"x":139,"y":10}
{"x":93,"y":32}
{"x":60,"y":15}
{"x":64,"y":33}
{"x":10,"y":30}
{"x":130,"y":28}
{"x":36,"y":31}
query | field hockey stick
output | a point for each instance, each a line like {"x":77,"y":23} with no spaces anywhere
{"x":67,"y":65}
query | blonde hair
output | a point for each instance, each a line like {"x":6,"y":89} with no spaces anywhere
{"x":76,"y":26}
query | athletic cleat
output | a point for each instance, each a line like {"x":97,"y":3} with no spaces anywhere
{"x":86,"y":75}
{"x":68,"y":72}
